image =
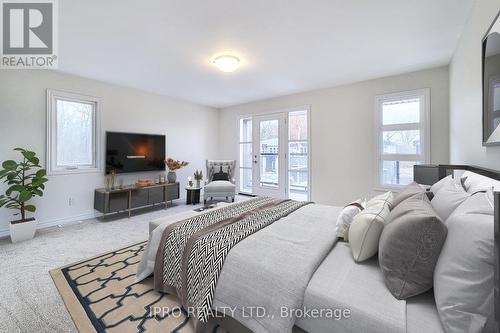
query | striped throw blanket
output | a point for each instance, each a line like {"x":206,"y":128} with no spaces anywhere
{"x":192,"y":252}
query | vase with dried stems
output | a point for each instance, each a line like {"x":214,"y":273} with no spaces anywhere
{"x":198,"y":176}
{"x":173,"y":166}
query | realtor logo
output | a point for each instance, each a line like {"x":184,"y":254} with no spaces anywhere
{"x":28,"y":36}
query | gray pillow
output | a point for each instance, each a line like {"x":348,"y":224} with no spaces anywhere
{"x":464,"y":274}
{"x":409,"y":247}
{"x":408,"y":191}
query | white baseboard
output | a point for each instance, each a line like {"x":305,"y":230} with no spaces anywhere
{"x":5,"y":232}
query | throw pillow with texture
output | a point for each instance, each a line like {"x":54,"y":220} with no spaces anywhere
{"x":346,"y":216}
{"x":409,"y":247}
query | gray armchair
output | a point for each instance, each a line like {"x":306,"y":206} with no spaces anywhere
{"x":220,"y":181}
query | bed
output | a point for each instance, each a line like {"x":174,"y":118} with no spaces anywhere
{"x":295,"y":263}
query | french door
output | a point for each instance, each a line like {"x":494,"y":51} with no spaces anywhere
{"x":274,"y":154}
{"x":269,"y":155}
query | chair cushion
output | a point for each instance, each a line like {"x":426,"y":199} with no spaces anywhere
{"x":220,"y":186}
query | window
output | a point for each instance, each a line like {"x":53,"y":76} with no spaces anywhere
{"x":245,"y":155}
{"x":403,"y":136}
{"x":298,"y":154}
{"x":72,"y":133}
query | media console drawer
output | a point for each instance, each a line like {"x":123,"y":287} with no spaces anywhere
{"x":130,"y":197}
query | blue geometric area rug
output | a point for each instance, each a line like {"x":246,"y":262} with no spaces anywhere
{"x":101,"y":295}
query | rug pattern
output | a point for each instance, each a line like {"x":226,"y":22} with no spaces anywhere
{"x":105,"y":289}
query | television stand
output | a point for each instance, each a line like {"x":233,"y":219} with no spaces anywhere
{"x":133,"y":196}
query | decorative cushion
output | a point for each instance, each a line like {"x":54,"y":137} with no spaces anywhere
{"x":346,"y":216}
{"x":407,"y":192}
{"x":386,"y":197}
{"x":448,"y":198}
{"x":220,"y":186}
{"x":410,"y":245}
{"x":365,"y":230}
{"x":437,"y":186}
{"x":221,"y":175}
{"x":464,"y":274}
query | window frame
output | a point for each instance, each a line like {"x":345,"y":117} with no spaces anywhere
{"x":240,"y":143}
{"x":423,"y":125}
{"x":52,"y":168}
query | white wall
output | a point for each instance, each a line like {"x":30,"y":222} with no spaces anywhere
{"x":466,"y":92}
{"x":343,"y":130}
{"x":189,"y":129}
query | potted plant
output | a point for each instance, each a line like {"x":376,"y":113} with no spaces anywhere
{"x":172,"y":166}
{"x":198,"y":176}
{"x":25,"y":180}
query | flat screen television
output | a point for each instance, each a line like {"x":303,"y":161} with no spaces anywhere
{"x":132,"y":152}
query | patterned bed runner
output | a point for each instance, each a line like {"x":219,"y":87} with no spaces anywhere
{"x":192,"y":252}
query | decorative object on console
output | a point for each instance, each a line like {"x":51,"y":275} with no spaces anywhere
{"x":224,"y":188}
{"x":190,"y":182}
{"x":145,"y":182}
{"x":113,"y":178}
{"x":410,"y":245}
{"x":172,"y":166}
{"x":365,"y":230}
{"x":198,"y":176}
{"x":25,"y":180}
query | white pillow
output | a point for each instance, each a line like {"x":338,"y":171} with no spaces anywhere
{"x":464,"y":273}
{"x":367,"y":226}
{"x":448,"y":198}
{"x":437,"y":186}
{"x":386,"y":197}
{"x":347,"y":214}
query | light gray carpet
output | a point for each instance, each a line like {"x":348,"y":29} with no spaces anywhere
{"x":29,"y":301}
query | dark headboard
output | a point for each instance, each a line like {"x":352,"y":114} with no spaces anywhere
{"x":444,"y":170}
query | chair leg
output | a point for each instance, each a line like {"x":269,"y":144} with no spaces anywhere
{"x":232,"y":199}
{"x":204,"y":201}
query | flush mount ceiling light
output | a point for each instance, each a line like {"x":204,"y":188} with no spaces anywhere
{"x":227,"y":63}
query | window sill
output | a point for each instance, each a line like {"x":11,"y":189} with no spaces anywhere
{"x":61,"y":172}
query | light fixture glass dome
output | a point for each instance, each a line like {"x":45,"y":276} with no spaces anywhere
{"x":227,"y":63}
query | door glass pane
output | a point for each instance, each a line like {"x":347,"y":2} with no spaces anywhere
{"x":397,"y":172}
{"x":297,"y":152}
{"x":246,"y":130}
{"x":401,"y":112}
{"x":245,"y":155}
{"x":298,"y":184}
{"x":269,"y":152}
{"x":74,"y":133}
{"x":297,"y":129}
{"x":246,"y":180}
{"x":402,"y":142}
